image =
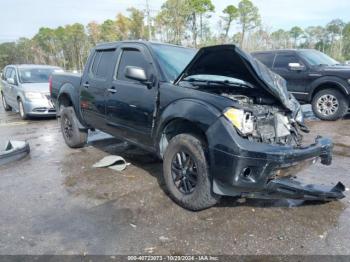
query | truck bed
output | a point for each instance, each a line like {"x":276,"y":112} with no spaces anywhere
{"x":65,"y":81}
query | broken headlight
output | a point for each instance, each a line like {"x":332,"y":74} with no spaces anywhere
{"x":241,"y":120}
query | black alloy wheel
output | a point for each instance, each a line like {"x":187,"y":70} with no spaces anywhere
{"x":184,"y":172}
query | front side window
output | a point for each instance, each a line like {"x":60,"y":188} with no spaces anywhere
{"x":13,"y":76}
{"x":131,"y":57}
{"x":317,"y":58}
{"x":283,"y":60}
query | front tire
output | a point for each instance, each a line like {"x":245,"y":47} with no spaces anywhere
{"x":330,"y":105}
{"x":73,"y":136}
{"x":186,"y":173}
{"x":22,"y":111}
{"x":4,"y":103}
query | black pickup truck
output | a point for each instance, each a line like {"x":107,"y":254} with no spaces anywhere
{"x":312,"y":77}
{"x":222,"y":122}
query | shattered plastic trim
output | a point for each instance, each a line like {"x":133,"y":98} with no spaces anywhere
{"x":14,"y":150}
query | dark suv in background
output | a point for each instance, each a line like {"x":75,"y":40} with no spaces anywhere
{"x":312,"y":77}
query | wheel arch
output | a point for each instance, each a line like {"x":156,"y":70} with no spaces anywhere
{"x":69,"y":97}
{"x":328,"y":83}
{"x":186,"y":116}
{"x":65,"y":96}
{"x":64,"y":99}
{"x":19,"y":97}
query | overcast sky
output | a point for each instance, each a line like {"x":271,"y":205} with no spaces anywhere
{"x":24,"y":18}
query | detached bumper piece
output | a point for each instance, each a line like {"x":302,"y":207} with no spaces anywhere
{"x":14,"y":150}
{"x":292,"y":189}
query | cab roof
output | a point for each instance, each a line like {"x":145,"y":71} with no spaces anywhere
{"x":281,"y":51}
{"x":112,"y":45}
{"x":32,"y":66}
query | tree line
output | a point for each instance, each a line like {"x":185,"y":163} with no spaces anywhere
{"x":184,"y":22}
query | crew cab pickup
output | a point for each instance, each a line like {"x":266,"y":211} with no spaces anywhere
{"x":312,"y":77}
{"x":222,"y":123}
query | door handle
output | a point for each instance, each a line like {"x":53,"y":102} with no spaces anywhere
{"x":112,"y":90}
{"x":86,"y":85}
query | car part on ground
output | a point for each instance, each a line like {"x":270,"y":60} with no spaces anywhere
{"x":14,"y":150}
{"x":292,"y":189}
{"x":116,"y":163}
{"x":72,"y":134}
{"x":330,"y":104}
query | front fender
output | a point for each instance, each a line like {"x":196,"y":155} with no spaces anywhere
{"x":342,"y":85}
{"x":196,"y":111}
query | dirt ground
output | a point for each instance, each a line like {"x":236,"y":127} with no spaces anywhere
{"x":54,"y":202}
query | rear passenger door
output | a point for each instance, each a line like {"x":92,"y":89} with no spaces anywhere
{"x":131,"y":106}
{"x":10,"y":89}
{"x":4,"y":84}
{"x":95,"y":82}
{"x":297,"y":81}
{"x":266,"y":58}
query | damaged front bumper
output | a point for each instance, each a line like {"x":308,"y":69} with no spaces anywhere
{"x":256,"y":170}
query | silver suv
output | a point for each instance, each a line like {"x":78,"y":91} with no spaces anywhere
{"x":25,"y":88}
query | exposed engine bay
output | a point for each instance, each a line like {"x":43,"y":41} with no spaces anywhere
{"x":259,"y":117}
{"x":264,"y":123}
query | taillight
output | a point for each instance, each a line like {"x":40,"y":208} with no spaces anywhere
{"x":50,"y":85}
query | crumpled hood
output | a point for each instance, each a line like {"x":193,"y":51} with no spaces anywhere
{"x":36,"y":87}
{"x":231,"y":61}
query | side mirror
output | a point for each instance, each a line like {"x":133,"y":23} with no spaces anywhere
{"x":136,"y":73}
{"x":11,"y":81}
{"x":296,"y":67}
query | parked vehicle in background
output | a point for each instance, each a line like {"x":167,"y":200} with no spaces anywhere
{"x":25,"y":88}
{"x":216,"y":118}
{"x":313,"y":77}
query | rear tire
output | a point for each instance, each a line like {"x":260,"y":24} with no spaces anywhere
{"x":186,"y":173}
{"x":21,"y":110}
{"x":4,"y":103}
{"x":330,"y":105}
{"x":73,"y":136}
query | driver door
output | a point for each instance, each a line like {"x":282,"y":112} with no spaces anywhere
{"x":130,"y":103}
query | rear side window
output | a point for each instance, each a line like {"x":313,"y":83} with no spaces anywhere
{"x":282,"y":60}
{"x":103,"y":61}
{"x":266,"y":59}
{"x":8,"y":73}
{"x":3,"y":74}
{"x":131,"y":57}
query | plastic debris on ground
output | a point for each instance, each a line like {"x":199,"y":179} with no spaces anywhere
{"x":14,"y":150}
{"x":116,"y":163}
